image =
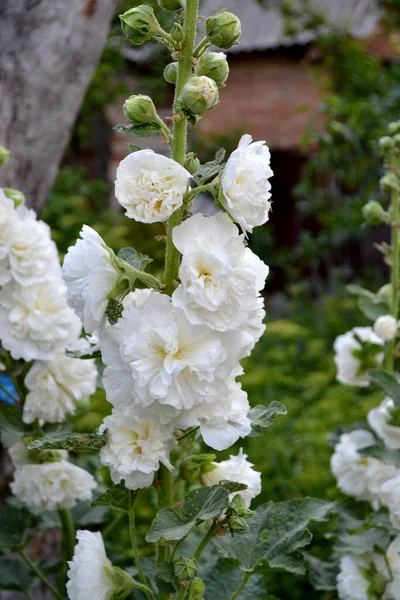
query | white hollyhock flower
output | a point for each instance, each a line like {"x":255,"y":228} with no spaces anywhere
{"x":224,"y":421}
{"x":87,"y":574}
{"x":55,"y":386}
{"x":7,"y":220}
{"x":379,"y":420}
{"x":221,"y":278}
{"x":245,"y":184}
{"x":137,"y":298}
{"x":386,"y":327}
{"x":390,"y":497}
{"x":252,"y":329}
{"x":90,"y":275}
{"x":52,"y":485}
{"x":349,"y":367}
{"x":33,"y":255}
{"x":156,"y":359}
{"x":150,"y":186}
{"x":239,"y":469}
{"x":358,"y":476}
{"x":135,"y":448}
{"x":352,"y":583}
{"x":392,"y":591}
{"x":36,"y":321}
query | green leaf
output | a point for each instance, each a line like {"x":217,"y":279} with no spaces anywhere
{"x":233,"y":486}
{"x":14,"y":575}
{"x":276,"y":533}
{"x":222,"y":579}
{"x":165,"y":577}
{"x":83,"y":355}
{"x":118,"y":497}
{"x":84,"y":514}
{"x":14,"y":525}
{"x":322,"y":574}
{"x":371,"y":305}
{"x":202,"y":504}
{"x":210,"y":169}
{"x":387,"y":382}
{"x":369,"y":540}
{"x":76,"y":442}
{"x":12,"y":428}
{"x":262,"y":417}
{"x":121,"y":128}
{"x":134,"y":148}
{"x":135,"y":259}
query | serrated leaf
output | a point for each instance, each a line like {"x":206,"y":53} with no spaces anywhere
{"x":118,"y":497}
{"x":262,"y":417}
{"x":12,"y":428}
{"x":75,"y":442}
{"x":387,"y":382}
{"x":14,"y":525}
{"x":165,"y":577}
{"x":276,"y":533}
{"x":14,"y":575}
{"x":233,"y":486}
{"x":369,"y":540}
{"x":121,"y":128}
{"x":137,"y":260}
{"x":222,"y":579}
{"x":210,"y":169}
{"x":134,"y":148}
{"x":322,"y":574}
{"x":202,"y":504}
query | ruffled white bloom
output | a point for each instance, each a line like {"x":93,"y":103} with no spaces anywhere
{"x":7,"y":220}
{"x":221,"y":278}
{"x":392,"y":591}
{"x":386,"y":327}
{"x":158,"y":362}
{"x":245,"y":184}
{"x":52,"y":485}
{"x":55,"y":386}
{"x":252,"y":329}
{"x":352,"y":583}
{"x":349,"y":367}
{"x":87,"y":572}
{"x":137,"y":298}
{"x":33,"y":255}
{"x":150,"y":186}
{"x":358,"y":476}
{"x":379,"y":420}
{"x":239,"y":469}
{"x":390,"y":497}
{"x":36,"y":321}
{"x":135,"y":448}
{"x":90,"y":275}
{"x":224,"y":421}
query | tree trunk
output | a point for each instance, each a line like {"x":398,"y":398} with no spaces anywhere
{"x":49,"y":49}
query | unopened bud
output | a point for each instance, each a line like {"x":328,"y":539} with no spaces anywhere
{"x":177,"y":32}
{"x":223,"y":29}
{"x":171,"y":72}
{"x":121,"y":581}
{"x":192,"y":163}
{"x":186,"y":568}
{"x":213,"y":65}
{"x":4,"y":155}
{"x":140,"y":24}
{"x":386,"y":292}
{"x":194,"y":467}
{"x":171,"y":5}
{"x":199,"y":95}
{"x":390,"y":182}
{"x":386,"y":143}
{"x":394,"y":127}
{"x":15,"y":195}
{"x":196,"y":590}
{"x":140,"y":109}
{"x":374,"y":213}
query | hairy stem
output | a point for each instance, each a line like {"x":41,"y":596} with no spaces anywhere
{"x":246,"y":577}
{"x":39,"y":574}
{"x":395,"y":274}
{"x":68,"y":533}
{"x":178,"y":145}
{"x":209,"y":535}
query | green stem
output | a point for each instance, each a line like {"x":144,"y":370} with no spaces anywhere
{"x":166,"y":131}
{"x":39,"y":574}
{"x":246,"y":577}
{"x":209,"y":535}
{"x":395,"y":274}
{"x":188,"y":432}
{"x":201,"y":47}
{"x":144,"y":588}
{"x":200,"y":188}
{"x":132,"y":532}
{"x":68,"y":533}
{"x":179,"y":141}
{"x":111,"y":526}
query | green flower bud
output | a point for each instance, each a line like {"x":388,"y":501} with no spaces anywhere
{"x":139,"y":24}
{"x":171,"y":5}
{"x":171,"y":72}
{"x":186,"y":568}
{"x":394,"y":127}
{"x":390,"y":182}
{"x":386,"y":293}
{"x":386,"y":143}
{"x":121,"y":580}
{"x":223,"y":29}
{"x":192,"y":163}
{"x":194,"y":467}
{"x":213,"y":65}
{"x":196,"y":590}
{"x":374,"y":213}
{"x":140,"y":109}
{"x":114,"y":310}
{"x":4,"y":155}
{"x":15,"y":195}
{"x":199,"y":95}
{"x":177,"y":32}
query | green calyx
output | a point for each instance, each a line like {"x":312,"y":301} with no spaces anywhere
{"x":4,"y":155}
{"x":223,"y":29}
{"x":194,"y":467}
{"x":213,"y":65}
{"x":199,"y":95}
{"x":374,"y":213}
{"x":171,"y":5}
{"x":140,"y":110}
{"x":15,"y":195}
{"x":140,"y":24}
{"x":121,"y":580}
{"x":171,"y":72}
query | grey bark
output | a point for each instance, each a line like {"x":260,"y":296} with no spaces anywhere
{"x":48,"y":52}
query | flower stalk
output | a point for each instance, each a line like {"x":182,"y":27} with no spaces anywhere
{"x":394,"y":273}
{"x":39,"y":574}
